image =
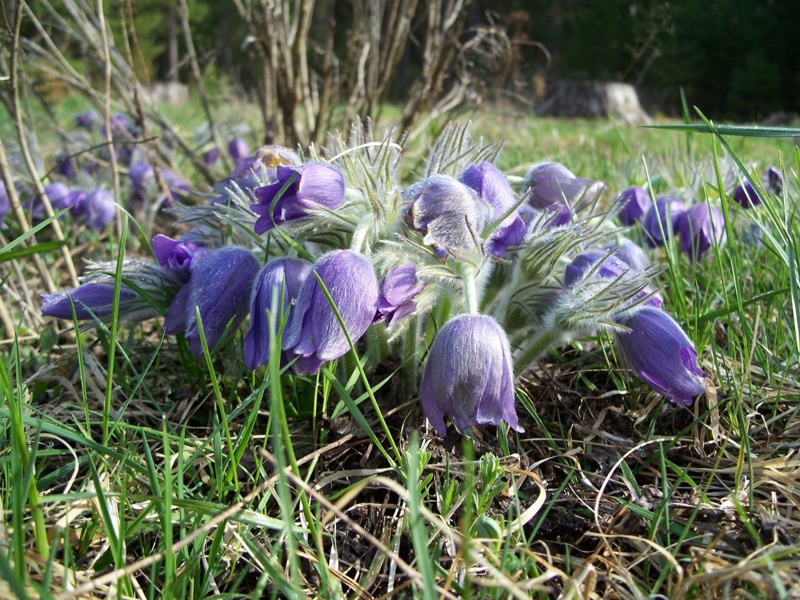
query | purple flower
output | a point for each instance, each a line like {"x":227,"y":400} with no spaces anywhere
{"x":238,"y":149}
{"x":219,"y":285}
{"x":449,"y":213}
{"x":88,"y":120}
{"x":265,"y":162}
{"x":311,"y":186}
{"x":552,"y":183}
{"x":141,"y":175}
{"x":655,"y":225}
{"x":59,"y":196}
{"x":469,"y":375}
{"x":597,"y":265}
{"x":176,"y":254}
{"x":491,"y":185}
{"x":5,"y":205}
{"x":122,"y":126}
{"x":65,"y":166}
{"x":658,"y":351}
{"x":211,"y":157}
{"x":96,"y":299}
{"x":773,"y":180}
{"x":630,"y":253}
{"x":399,"y":290}
{"x":700,"y":228}
{"x":745,"y":195}
{"x":560,"y":215}
{"x":280,"y":280}
{"x":633,"y":204}
{"x":97,"y":207}
{"x":313,"y":332}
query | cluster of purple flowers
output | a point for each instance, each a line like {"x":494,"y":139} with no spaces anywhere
{"x":457,"y":250}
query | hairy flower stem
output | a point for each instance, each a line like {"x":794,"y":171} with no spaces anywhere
{"x":470,"y":289}
{"x":410,"y":356}
{"x":540,"y":342}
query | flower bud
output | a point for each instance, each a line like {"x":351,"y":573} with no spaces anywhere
{"x":630,"y":253}
{"x":96,"y":299}
{"x":598,"y":265}
{"x":280,"y":280}
{"x":399,"y":290}
{"x":491,"y":185}
{"x":633,"y":204}
{"x":745,"y":195}
{"x":449,"y":213}
{"x":313,"y":332}
{"x":88,"y":120}
{"x":469,"y":375}
{"x":700,"y":228}
{"x":5,"y":205}
{"x":97,"y":207}
{"x":313,"y":186}
{"x":552,"y":183}
{"x":220,"y":286}
{"x":658,"y":351}
{"x":773,"y":180}
{"x":175,"y":254}
{"x":211,"y":157}
{"x":655,"y":225}
{"x":238,"y":149}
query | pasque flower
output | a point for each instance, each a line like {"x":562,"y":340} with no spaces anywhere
{"x":633,"y":203}
{"x":745,"y":195}
{"x":398,"y":294}
{"x":449,"y":213}
{"x":655,"y":225}
{"x":265,"y":162}
{"x":280,"y":282}
{"x":97,"y":207}
{"x":177,"y":255}
{"x":95,"y":299}
{"x":701,"y":227}
{"x":238,"y":149}
{"x":658,"y":351}
{"x":5,"y":205}
{"x":552,"y":183}
{"x":630,"y":253}
{"x":492,"y":187}
{"x":310,"y":186}
{"x":88,"y":120}
{"x":469,"y":375}
{"x":313,"y":333}
{"x":219,"y":285}
{"x":599,"y":264}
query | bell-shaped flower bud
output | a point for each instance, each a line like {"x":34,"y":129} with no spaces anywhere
{"x":96,"y":298}
{"x":630,"y":253}
{"x":5,"y":204}
{"x":469,"y":375}
{"x":98,"y":208}
{"x":492,"y":187}
{"x":90,"y":120}
{"x":238,"y":149}
{"x":633,"y":204}
{"x":211,"y":157}
{"x":398,"y":294}
{"x":598,"y":265}
{"x":773,"y":180}
{"x":311,"y":186}
{"x":142,"y":175}
{"x":177,"y":186}
{"x":745,"y":195}
{"x":658,"y":351}
{"x":449,"y":213}
{"x":59,"y":196}
{"x":552,"y":183}
{"x":700,"y":228}
{"x":313,"y":332}
{"x":280,"y":281}
{"x":219,"y":286}
{"x":661,"y":219}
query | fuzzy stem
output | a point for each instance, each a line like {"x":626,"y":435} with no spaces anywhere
{"x":541,"y":342}
{"x":410,"y":354}
{"x":470,"y":289}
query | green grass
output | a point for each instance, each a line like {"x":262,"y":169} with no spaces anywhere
{"x":131,"y":468}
